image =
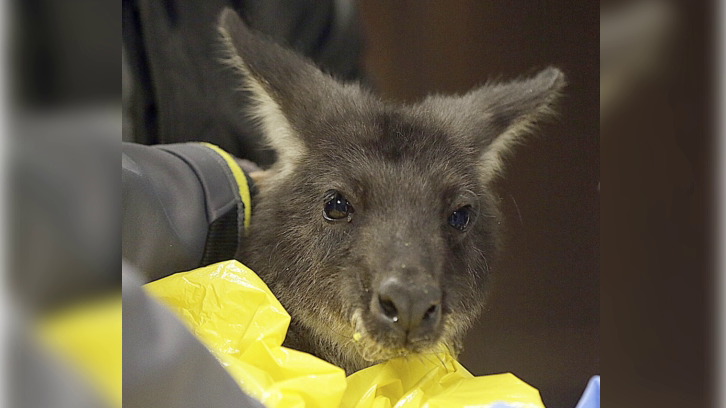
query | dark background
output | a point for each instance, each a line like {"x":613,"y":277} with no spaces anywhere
{"x":659,"y":272}
{"x":543,"y":319}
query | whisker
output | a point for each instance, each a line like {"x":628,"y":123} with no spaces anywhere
{"x":521,"y":221}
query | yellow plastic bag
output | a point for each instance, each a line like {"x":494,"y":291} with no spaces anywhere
{"x":234,"y":314}
{"x":435,"y":381}
{"x":87,"y":335}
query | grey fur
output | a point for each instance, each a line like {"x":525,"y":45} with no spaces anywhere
{"x":405,"y":169}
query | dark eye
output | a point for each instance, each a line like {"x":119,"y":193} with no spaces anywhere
{"x":337,"y":208}
{"x":459,"y":219}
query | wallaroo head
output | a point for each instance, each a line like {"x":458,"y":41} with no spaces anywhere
{"x":377,"y":226}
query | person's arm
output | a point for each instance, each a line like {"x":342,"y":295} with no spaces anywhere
{"x":183,"y":206}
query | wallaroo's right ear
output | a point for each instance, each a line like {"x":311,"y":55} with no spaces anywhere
{"x":511,"y":110}
{"x":495,"y":117}
{"x":286,"y":89}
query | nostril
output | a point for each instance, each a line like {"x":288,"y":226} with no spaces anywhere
{"x":388,"y":308}
{"x":431,"y":312}
{"x":406,"y":305}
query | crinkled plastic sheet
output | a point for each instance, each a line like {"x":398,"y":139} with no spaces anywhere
{"x":234,"y":313}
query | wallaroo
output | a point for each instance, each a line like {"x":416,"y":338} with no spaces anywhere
{"x":377,"y":225}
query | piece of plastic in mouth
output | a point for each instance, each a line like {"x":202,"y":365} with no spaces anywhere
{"x":395,"y":319}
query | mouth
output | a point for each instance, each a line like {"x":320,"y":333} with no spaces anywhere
{"x":377,"y":343}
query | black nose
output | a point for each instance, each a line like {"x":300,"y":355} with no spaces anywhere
{"x":409,"y":306}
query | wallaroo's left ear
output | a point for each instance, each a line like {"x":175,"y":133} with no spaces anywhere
{"x":495,"y":117}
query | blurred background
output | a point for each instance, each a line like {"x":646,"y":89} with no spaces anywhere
{"x":660,"y":72}
{"x":655,"y":107}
